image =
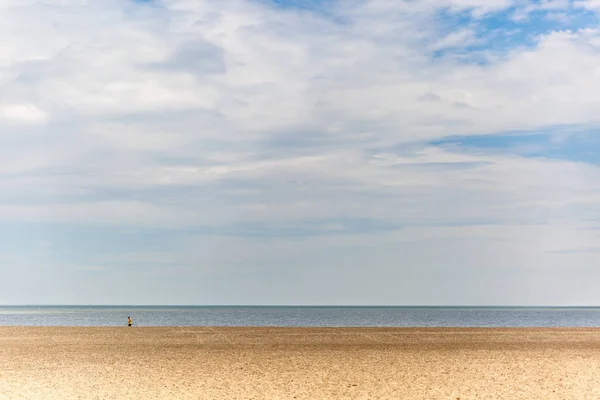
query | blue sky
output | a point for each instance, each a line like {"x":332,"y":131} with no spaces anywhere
{"x":299,"y":152}
{"x":581,"y":145}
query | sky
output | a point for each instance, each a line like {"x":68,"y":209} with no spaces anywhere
{"x":300,"y":152}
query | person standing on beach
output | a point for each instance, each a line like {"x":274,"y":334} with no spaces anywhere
{"x":129,"y":321}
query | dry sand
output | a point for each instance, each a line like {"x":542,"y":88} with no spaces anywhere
{"x":298,"y":363}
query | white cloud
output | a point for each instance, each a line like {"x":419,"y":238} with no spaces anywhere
{"x":588,"y":4}
{"x":306,"y":79}
{"x":221,"y":115}
{"x":460,"y":38}
{"x":523,"y":13}
{"x":21,"y":113}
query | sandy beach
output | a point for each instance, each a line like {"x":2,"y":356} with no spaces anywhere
{"x":298,"y":363}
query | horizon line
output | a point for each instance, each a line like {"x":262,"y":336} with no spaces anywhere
{"x":299,"y":306}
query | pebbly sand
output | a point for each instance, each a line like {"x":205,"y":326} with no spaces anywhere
{"x":298,"y":363}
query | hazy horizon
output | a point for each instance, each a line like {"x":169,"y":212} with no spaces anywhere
{"x":297,"y":306}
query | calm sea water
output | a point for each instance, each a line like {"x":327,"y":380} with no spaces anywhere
{"x":300,"y":316}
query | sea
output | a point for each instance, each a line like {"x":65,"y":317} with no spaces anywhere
{"x":300,"y":316}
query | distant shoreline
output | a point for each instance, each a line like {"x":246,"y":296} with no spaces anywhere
{"x":278,"y":306}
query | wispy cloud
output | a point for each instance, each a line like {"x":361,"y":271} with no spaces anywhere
{"x":294,"y":141}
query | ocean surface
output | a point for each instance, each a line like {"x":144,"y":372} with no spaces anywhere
{"x":300,"y":316}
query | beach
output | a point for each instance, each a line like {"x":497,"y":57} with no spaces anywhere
{"x":298,"y":363}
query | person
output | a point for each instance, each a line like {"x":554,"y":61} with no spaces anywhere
{"x":129,"y":321}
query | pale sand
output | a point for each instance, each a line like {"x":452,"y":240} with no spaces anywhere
{"x":302,"y":363}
